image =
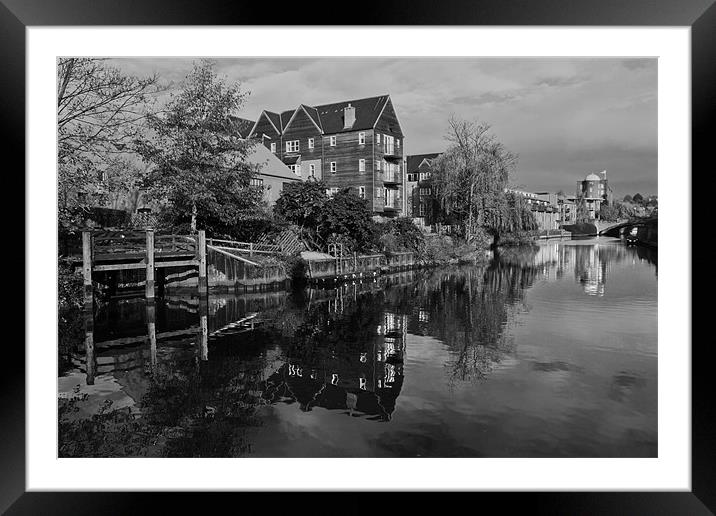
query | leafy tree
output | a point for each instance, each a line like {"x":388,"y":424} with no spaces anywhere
{"x":343,"y":218}
{"x":609,"y":212}
{"x":582,"y":211}
{"x":627,"y":198}
{"x":199,"y":161}
{"x":346,"y":218}
{"x":638,"y":198}
{"x":403,"y":234}
{"x":302,"y":204}
{"x":469,"y":181}
{"x":100,"y":111}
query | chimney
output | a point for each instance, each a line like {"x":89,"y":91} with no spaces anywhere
{"x":349,"y":116}
{"x":604,"y":174}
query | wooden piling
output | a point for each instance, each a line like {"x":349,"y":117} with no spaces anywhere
{"x":201,"y":251}
{"x":203,"y":328}
{"x":149,"y":290}
{"x":90,"y":360}
{"x":152,"y":334}
{"x":87,"y":268}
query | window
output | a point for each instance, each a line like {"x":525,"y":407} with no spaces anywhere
{"x":361,"y":138}
{"x":273,"y":148}
{"x":310,"y":143}
{"x":296,"y":169}
{"x":426,"y":191}
{"x":377,"y":137}
{"x":377,"y":165}
{"x":361,"y":165}
{"x":422,"y":210}
{"x":388,"y":142}
{"x":312,"y":169}
{"x":361,"y":192}
{"x":333,"y":141}
{"x":257,"y":181}
{"x":330,"y":192}
{"x":333,"y":167}
{"x":292,"y":146}
{"x":397,"y":142}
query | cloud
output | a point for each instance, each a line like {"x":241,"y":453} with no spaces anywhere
{"x":564,"y":117}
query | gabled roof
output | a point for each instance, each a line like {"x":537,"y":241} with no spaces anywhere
{"x":275,"y":119}
{"x":313,"y":113}
{"x":329,"y":117}
{"x":243,"y":126}
{"x":285,"y":116}
{"x":270,"y":164}
{"x":414,"y":161}
{"x":367,"y":112}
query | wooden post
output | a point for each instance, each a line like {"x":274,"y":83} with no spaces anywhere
{"x":149,"y":287}
{"x":152,"y":333}
{"x":203,"y":328}
{"x":87,"y":268}
{"x":251,"y":249}
{"x":201,"y":248}
{"x":90,"y":362}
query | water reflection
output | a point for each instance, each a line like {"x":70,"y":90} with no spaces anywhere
{"x":229,"y":376}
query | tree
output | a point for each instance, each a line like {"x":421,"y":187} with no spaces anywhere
{"x":302,"y":204}
{"x":627,"y":198}
{"x":346,"y":218}
{"x":470,"y":178}
{"x":638,"y":198}
{"x":609,"y":212}
{"x":343,"y":218}
{"x":582,"y":211}
{"x":199,"y":161}
{"x":100,"y":111}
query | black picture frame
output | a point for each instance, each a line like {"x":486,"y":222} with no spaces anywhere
{"x":700,"y":15}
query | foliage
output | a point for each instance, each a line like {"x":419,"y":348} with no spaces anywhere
{"x":582,"y":211}
{"x":638,"y":198}
{"x":321,"y":220}
{"x":443,"y":249}
{"x":470,"y":180}
{"x":302,"y":204}
{"x":401,"y":234}
{"x":69,"y":286}
{"x":199,"y":159}
{"x":100,"y":111}
{"x":628,"y":198}
{"x":609,"y":212}
{"x":346,"y":218}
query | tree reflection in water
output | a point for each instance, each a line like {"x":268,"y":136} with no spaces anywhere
{"x":341,"y":349}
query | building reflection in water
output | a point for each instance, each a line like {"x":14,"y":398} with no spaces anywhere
{"x":342,"y":349}
{"x":363,"y":383}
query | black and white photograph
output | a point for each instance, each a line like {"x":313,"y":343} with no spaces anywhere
{"x":357,"y":257}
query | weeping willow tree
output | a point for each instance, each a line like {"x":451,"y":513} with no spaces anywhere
{"x":470,"y":180}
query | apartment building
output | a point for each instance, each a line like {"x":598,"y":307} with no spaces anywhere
{"x":355,"y":143}
{"x":418,"y":169}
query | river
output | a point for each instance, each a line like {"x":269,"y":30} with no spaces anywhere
{"x":544,"y":352}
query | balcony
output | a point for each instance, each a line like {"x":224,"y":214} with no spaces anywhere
{"x":391,"y":156}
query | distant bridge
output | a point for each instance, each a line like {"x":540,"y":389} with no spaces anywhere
{"x":617,"y":230}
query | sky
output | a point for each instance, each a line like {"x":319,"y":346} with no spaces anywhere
{"x":563,"y":117}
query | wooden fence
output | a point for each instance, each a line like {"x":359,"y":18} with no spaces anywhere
{"x":359,"y":266}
